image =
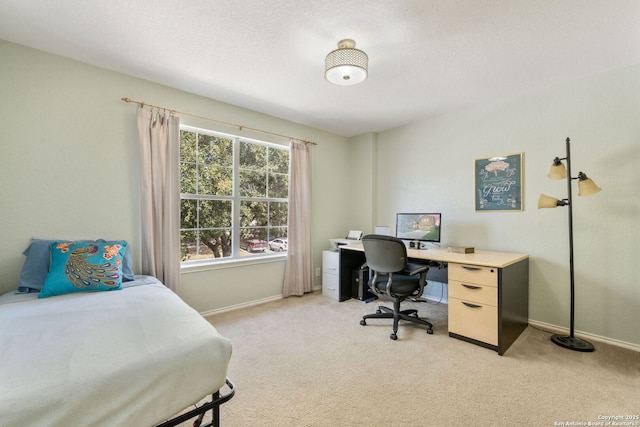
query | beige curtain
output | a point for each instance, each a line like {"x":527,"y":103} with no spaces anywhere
{"x":298,"y":276}
{"x":159,"y":139}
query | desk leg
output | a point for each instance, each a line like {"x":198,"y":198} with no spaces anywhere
{"x":513,"y":303}
{"x":349,"y":260}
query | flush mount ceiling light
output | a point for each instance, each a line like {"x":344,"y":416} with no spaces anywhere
{"x":346,"y":65}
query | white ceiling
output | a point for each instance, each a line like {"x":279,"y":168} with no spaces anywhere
{"x":426,"y":57}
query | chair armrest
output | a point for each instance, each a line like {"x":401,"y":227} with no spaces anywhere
{"x":413,"y":269}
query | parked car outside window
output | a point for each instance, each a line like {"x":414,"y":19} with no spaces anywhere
{"x":278,"y":245}
{"x":254,"y":245}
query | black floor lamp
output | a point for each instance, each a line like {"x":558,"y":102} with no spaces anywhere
{"x":586,"y":187}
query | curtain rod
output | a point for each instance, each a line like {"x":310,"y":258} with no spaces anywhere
{"x":241,"y":127}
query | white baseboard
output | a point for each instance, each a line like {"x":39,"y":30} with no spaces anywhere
{"x":590,"y":337}
{"x":249,"y":303}
{"x":239,"y":306}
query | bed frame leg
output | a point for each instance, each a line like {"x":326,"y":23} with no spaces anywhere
{"x":215,"y":414}
{"x":215,"y":411}
{"x":217,"y":399}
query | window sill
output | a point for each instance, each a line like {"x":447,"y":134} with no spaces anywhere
{"x":198,"y":266}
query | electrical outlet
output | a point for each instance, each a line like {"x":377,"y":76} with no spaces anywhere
{"x":317,"y":271}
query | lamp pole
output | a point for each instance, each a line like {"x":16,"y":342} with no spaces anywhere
{"x":571,"y":342}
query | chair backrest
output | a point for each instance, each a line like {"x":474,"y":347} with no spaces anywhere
{"x":384,"y":254}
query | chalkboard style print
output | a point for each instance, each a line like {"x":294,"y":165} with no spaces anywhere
{"x":498,"y":183}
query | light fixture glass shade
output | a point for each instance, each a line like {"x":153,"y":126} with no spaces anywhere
{"x":346,"y":65}
{"x":586,"y":187}
{"x":558,"y":171}
{"x":547,"y":202}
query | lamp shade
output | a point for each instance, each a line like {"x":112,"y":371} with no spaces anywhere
{"x":547,"y":202}
{"x":558,"y":170}
{"x":346,"y":65}
{"x":586,"y":187}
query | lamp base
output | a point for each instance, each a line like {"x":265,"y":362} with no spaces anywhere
{"x":572,"y":343}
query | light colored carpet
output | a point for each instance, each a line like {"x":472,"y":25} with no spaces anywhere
{"x":306,"y":361}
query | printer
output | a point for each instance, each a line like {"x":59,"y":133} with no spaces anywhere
{"x":353,"y":236}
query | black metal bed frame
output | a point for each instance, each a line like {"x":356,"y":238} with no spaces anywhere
{"x":217,"y":399}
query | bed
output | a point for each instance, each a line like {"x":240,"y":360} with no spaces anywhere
{"x":134,"y":356}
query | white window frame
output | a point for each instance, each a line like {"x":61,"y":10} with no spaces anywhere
{"x":236,"y":199}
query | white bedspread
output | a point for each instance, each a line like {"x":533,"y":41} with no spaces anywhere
{"x":133,"y":357}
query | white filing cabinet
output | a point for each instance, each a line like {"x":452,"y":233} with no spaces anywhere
{"x":331,"y":274}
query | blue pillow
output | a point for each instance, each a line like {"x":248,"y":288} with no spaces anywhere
{"x":36,"y":265}
{"x":84,"y":266}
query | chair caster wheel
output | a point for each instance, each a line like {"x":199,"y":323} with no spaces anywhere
{"x":363,"y":322}
{"x":393,"y":336}
{"x":430,"y":331}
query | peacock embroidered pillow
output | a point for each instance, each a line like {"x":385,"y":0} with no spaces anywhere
{"x":84,"y":266}
{"x":38,"y":259}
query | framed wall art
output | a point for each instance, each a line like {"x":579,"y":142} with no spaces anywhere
{"x":498,"y":183}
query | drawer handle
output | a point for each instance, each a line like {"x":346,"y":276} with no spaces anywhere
{"x":473,"y":268}
{"x":468,"y":304}
{"x":472,"y":287}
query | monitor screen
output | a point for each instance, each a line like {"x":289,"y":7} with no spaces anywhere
{"x":424,"y":227}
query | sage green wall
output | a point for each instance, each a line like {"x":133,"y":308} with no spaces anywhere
{"x":428,"y":166}
{"x":69,"y":167}
{"x":362,"y":189}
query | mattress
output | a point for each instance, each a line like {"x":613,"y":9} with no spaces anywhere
{"x":135,"y":356}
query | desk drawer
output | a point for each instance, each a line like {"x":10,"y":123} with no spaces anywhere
{"x":473,"y":274}
{"x":476,"y":321}
{"x":473,"y":293}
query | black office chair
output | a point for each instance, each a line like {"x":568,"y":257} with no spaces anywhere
{"x":391,"y":277}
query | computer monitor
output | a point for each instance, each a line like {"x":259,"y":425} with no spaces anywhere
{"x":423,"y":227}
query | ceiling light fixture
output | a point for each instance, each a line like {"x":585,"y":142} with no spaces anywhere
{"x":346,"y":65}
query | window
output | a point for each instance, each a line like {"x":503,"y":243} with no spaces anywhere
{"x":233,"y":196}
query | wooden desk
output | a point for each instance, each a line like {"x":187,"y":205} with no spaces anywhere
{"x":488,"y":291}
